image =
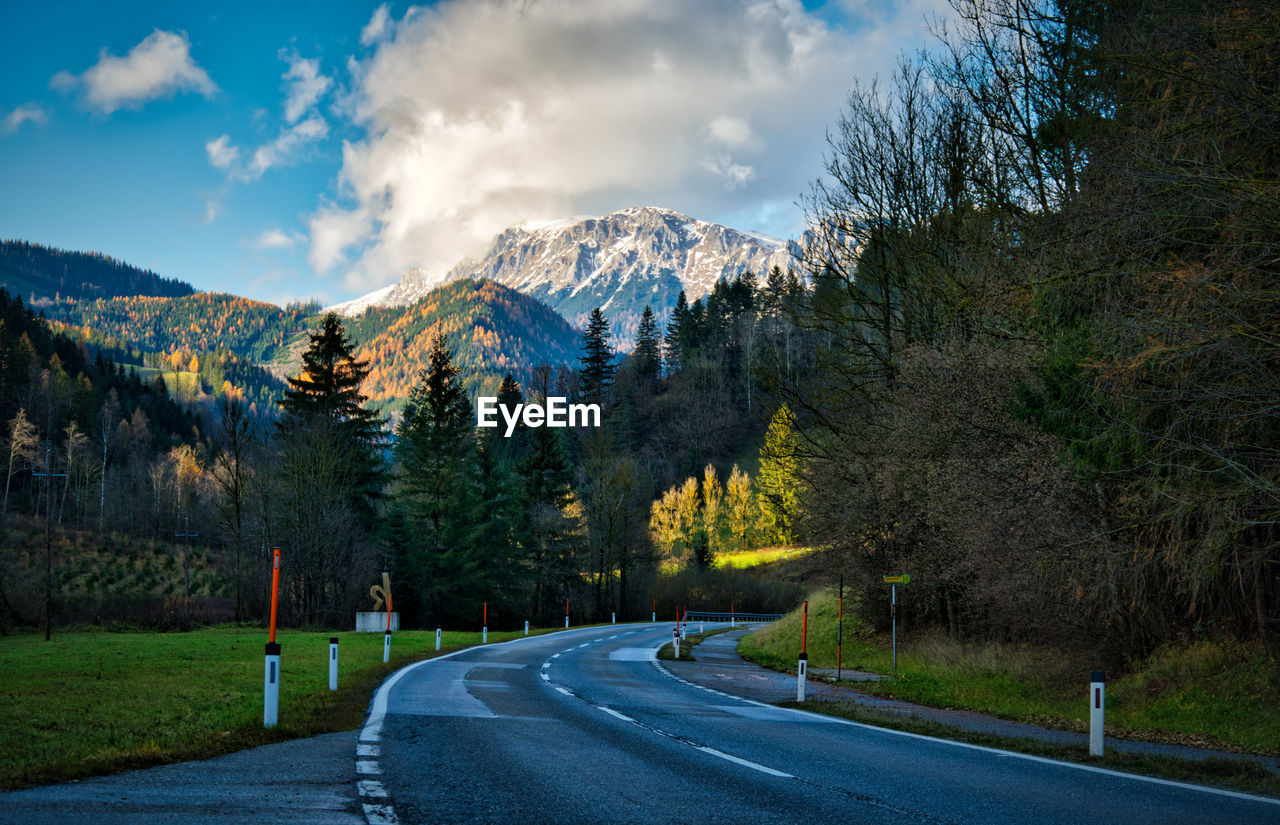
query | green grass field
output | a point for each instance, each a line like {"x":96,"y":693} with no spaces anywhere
{"x":1211,"y":694}
{"x":763,"y":555}
{"x":93,"y":702}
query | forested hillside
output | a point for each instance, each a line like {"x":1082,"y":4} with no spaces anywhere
{"x":41,"y":273}
{"x":493,"y":330}
{"x":201,"y":322}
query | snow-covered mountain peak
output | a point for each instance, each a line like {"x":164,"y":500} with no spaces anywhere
{"x":622,"y":261}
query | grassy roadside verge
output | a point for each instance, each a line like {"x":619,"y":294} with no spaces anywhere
{"x":686,"y":647}
{"x":94,"y":702}
{"x":1207,"y":694}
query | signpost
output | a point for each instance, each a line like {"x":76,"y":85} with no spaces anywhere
{"x":893,"y":582}
{"x":186,"y":535}
{"x":47,"y":475}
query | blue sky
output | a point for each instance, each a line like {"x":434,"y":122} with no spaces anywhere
{"x":289,"y":151}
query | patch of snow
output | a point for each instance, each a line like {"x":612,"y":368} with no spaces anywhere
{"x":355,"y":306}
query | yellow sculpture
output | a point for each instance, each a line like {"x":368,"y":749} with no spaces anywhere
{"x":381,"y":592}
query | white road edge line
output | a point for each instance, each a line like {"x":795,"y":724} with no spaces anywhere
{"x":615,"y":714}
{"x":367,"y":750}
{"x":1014,"y":754}
{"x":371,"y":788}
{"x":743,"y":762}
{"x":380,"y":814}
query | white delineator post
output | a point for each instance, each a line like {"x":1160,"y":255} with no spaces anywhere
{"x":1097,"y":709}
{"x":566,"y":614}
{"x":437,"y":638}
{"x":271,"y":666}
{"x":271,"y":687}
{"x":802,"y":672}
{"x":386,"y":642}
{"x":333,"y":663}
{"x":484,"y":626}
{"x":526,"y":627}
{"x":675,"y":642}
{"x":613,"y":618}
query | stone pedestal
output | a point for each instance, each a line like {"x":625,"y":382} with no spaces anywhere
{"x":376,"y":622}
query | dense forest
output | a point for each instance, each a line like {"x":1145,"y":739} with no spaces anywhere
{"x":200,"y":322}
{"x":41,"y":274}
{"x":1030,"y":356}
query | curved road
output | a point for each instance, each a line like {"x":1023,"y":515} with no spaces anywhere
{"x":585,"y":726}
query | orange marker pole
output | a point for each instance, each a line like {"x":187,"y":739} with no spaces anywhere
{"x":271,"y":667}
{"x":566,"y":613}
{"x":801,"y":673}
{"x":484,"y":627}
{"x":275,"y":591}
{"x":732,"y":622}
{"x":654,"y":616}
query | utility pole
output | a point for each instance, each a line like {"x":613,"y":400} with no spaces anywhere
{"x":48,"y":539}
{"x":186,"y":535}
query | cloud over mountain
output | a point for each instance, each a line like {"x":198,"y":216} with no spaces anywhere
{"x":480,"y":115}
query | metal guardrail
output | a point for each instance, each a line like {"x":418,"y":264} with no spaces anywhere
{"x":704,"y":616}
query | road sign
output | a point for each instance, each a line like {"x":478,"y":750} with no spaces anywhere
{"x":903,"y":579}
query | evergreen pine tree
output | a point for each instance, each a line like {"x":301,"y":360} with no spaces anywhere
{"x":329,"y":473}
{"x":647,"y":354}
{"x":595,"y":376}
{"x":434,"y":443}
{"x":671,"y":340}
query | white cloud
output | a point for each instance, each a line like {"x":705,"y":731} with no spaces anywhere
{"x":483,"y":113}
{"x":305,"y":85}
{"x":287,"y":148}
{"x":333,"y":231}
{"x":161,"y":65}
{"x":277,"y":238}
{"x":377,"y":28}
{"x":27,"y":113}
{"x":731,"y":131}
{"x":221,"y":153}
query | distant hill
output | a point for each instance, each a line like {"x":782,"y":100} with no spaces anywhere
{"x":491,"y":329}
{"x":40,"y":274}
{"x":200,"y":322}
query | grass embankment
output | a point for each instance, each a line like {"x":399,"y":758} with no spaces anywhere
{"x":93,"y":702}
{"x":763,"y":555}
{"x":686,"y":646}
{"x":1209,"y":694}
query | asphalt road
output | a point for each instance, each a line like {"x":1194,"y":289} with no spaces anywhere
{"x":584,"y":727}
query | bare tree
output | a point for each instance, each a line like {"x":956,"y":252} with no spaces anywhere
{"x":23,"y":444}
